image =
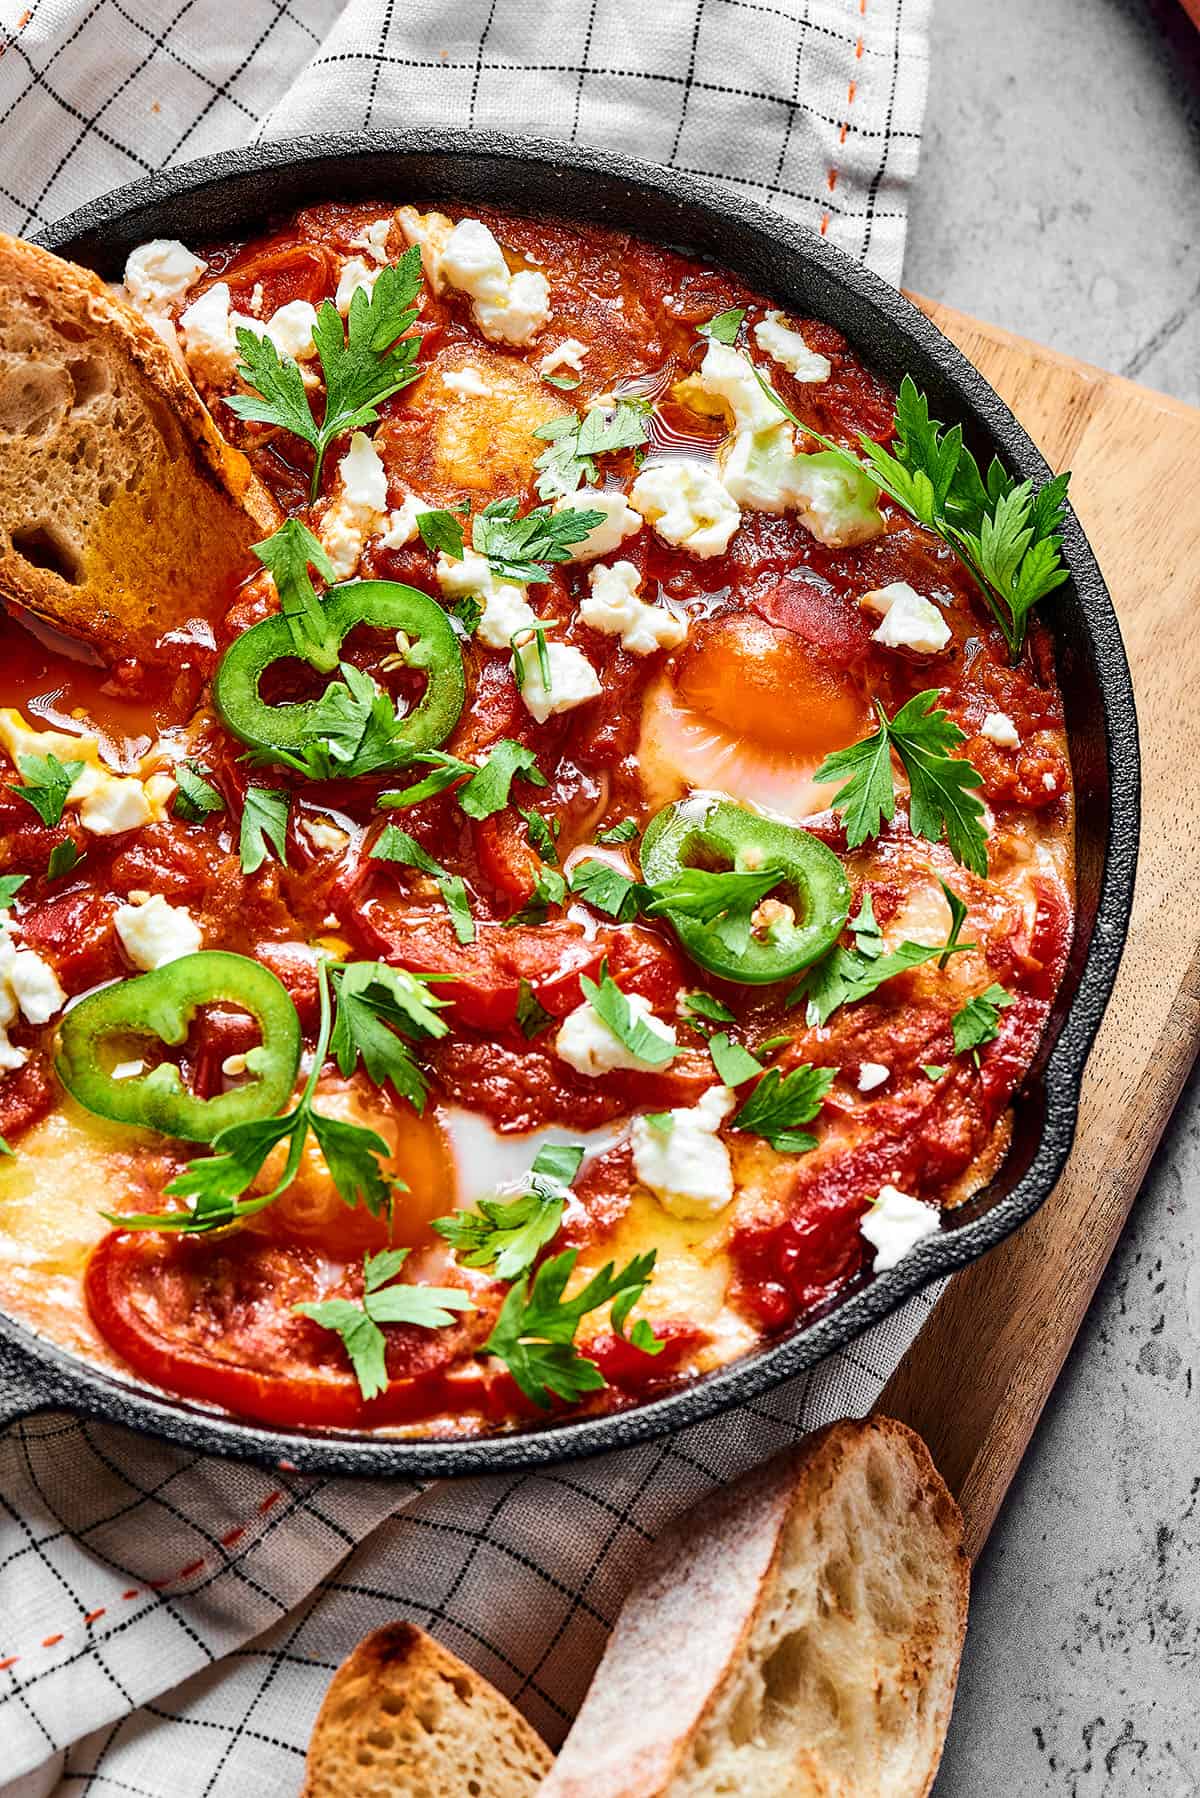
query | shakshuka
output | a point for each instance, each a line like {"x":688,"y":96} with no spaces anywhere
{"x":586,"y":900}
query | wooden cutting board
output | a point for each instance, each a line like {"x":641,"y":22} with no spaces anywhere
{"x":976,"y":1379}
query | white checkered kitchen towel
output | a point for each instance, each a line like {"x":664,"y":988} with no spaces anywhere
{"x":168,"y":1624}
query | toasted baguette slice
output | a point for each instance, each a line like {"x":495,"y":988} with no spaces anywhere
{"x":797,"y":1637}
{"x":405,"y":1718}
{"x":123,"y":512}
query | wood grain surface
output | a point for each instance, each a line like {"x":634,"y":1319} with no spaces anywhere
{"x":976,"y":1379}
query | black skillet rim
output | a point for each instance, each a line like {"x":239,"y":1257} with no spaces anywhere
{"x":36,"y":1376}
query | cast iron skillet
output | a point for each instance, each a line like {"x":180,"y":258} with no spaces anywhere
{"x":234,"y":193}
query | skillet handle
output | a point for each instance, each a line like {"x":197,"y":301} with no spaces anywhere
{"x":25,"y":1385}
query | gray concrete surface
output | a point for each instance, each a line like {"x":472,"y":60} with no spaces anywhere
{"x":1059,"y":194}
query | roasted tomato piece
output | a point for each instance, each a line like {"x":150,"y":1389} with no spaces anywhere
{"x":631,"y":1369}
{"x":213,"y":1321}
{"x":74,"y":931}
{"x":26,"y":1094}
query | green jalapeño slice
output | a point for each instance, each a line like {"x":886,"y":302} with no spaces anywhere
{"x":381,"y":605}
{"x":103,"y":1031}
{"x":710,"y":861}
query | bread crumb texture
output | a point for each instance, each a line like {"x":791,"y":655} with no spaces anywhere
{"x":799,"y":1635}
{"x":404,"y":1718}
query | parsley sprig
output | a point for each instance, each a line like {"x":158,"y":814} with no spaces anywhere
{"x":844,"y":976}
{"x":978,"y":1022}
{"x":1006,"y":534}
{"x":364,"y":362}
{"x":613,"y":1008}
{"x":264,"y":827}
{"x":534,"y":1334}
{"x":516,"y":548}
{"x":486,"y":787}
{"x":429,"y":1307}
{"x":288,"y":555}
{"x":395,"y":845}
{"x":508,"y":1235}
{"x":941,"y":797}
{"x":47,"y":783}
{"x":575,"y":442}
{"x":356,"y":730}
{"x":214,"y":1184}
{"x":781,"y":1103}
{"x":378,"y":1007}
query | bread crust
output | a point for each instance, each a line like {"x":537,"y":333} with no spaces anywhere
{"x":124,"y":514}
{"x":405,"y":1716}
{"x":685,"y":1643}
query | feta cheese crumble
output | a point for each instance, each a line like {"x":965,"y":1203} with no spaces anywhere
{"x":465,"y":382}
{"x":910,"y":621}
{"x":360,"y":510}
{"x":567,"y":354}
{"x":612,"y":605}
{"x":373,"y":239}
{"x":160,"y":272}
{"x":619,"y":521}
{"x":356,"y":275}
{"x":999,"y":728}
{"x":687,"y":504}
{"x":507,"y":308}
{"x":154,"y":933}
{"x":895,"y":1224}
{"x":785,"y":345}
{"x":687,"y":1166}
{"x":872,"y":1074}
{"x":506,"y":608}
{"x":210,"y":334}
{"x":573,"y":680}
{"x":586,"y":1043}
{"x":108,"y":803}
{"x":290,"y":329}
{"x":726,"y":384}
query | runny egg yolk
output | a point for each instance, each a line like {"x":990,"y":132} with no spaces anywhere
{"x":771,"y":686}
{"x":311,"y":1210}
{"x":752,"y":711}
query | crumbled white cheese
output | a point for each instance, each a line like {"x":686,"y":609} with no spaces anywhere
{"x":35,"y":986}
{"x":757,"y":468}
{"x":506,"y":609}
{"x":111,"y":803}
{"x":210,"y":334}
{"x":895,"y":1224}
{"x":521,"y":315}
{"x":361,"y":511}
{"x":786,"y":346}
{"x":373,"y":239}
{"x":687,"y":505}
{"x":573,"y":680}
{"x":127,"y":1070}
{"x":727,"y":377}
{"x":160,"y":272}
{"x":910,"y":621}
{"x":356,"y":274}
{"x":1049,"y":782}
{"x":507,"y":308}
{"x":465,"y":382}
{"x":324,"y":836}
{"x":402,"y":522}
{"x":999,"y":728}
{"x":10,"y":1056}
{"x":108,"y":803}
{"x":586,"y":1043}
{"x":687,"y":1166}
{"x":613,"y":606}
{"x":567,"y":354}
{"x":290,"y":329}
{"x":155,"y":933}
{"x":619,"y":521}
{"x":836,"y":504}
{"x":472,"y":261}
{"x":872,"y":1074}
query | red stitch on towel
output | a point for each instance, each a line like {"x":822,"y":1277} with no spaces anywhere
{"x":132,"y":1592}
{"x":92,"y":1615}
{"x":233,"y":1535}
{"x":192,"y":1567}
{"x":10,"y":1662}
{"x":851,"y":91}
{"x":49,"y":1641}
{"x":272,"y":1498}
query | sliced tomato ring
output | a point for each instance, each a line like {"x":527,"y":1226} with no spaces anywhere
{"x":212,"y":1321}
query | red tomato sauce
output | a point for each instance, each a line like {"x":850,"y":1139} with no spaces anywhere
{"x":780,"y":661}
